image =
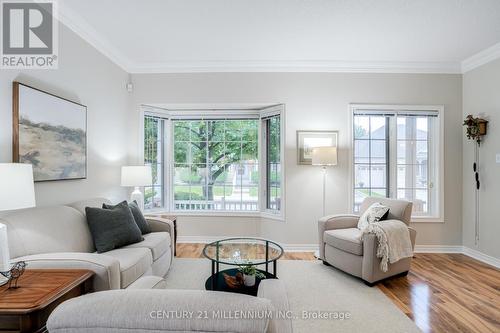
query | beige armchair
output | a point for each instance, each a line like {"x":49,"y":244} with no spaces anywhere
{"x":342,"y":245}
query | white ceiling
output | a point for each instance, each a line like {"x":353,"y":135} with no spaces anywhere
{"x":288,"y":35}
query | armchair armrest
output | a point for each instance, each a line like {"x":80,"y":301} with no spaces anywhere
{"x":331,"y":222}
{"x":106,"y":269}
{"x":159,"y":224}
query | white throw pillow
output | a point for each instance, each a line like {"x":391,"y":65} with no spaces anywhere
{"x":374,"y":213}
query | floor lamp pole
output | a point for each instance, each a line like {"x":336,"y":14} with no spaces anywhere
{"x":316,"y":253}
{"x":324,"y":190}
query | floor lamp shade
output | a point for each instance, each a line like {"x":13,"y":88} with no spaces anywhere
{"x":324,"y":156}
{"x":18,"y":189}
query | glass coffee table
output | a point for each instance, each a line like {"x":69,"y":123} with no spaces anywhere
{"x":241,"y":252}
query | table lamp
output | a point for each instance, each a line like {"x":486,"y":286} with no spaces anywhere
{"x":16,"y":180}
{"x":137,"y":176}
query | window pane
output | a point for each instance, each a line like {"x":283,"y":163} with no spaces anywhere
{"x":378,"y":175}
{"x":378,"y":192}
{"x":249,"y":129}
{"x":216,"y":131}
{"x":273,"y":159}
{"x":422,"y":128}
{"x":153,"y":157}
{"x":361,"y":151}
{"x":420,"y":203}
{"x":377,"y":127}
{"x":378,"y":151}
{"x":359,"y":196}
{"x":361,"y":127}
{"x":362,"y":175}
{"x":181,"y":152}
{"x":215,"y":169}
{"x":181,"y":130}
{"x":198,"y":130}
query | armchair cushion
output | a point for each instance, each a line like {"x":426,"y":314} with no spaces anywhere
{"x":349,"y":240}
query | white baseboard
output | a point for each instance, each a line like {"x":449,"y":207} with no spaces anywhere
{"x":438,"y":249}
{"x":487,"y":259}
{"x":314,"y":247}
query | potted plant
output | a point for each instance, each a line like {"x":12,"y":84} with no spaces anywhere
{"x":250,"y":272}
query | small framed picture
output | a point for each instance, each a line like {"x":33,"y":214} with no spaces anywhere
{"x":307,"y":140}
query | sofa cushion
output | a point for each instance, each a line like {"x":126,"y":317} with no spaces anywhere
{"x":157,"y":242}
{"x":134,"y":262}
{"x":139,"y":219}
{"x":112,"y":228}
{"x":349,"y":240}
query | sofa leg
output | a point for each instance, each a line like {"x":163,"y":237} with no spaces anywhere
{"x":369,"y":284}
{"x":326,"y":263}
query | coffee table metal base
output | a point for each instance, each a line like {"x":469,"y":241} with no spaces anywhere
{"x":216,"y":282}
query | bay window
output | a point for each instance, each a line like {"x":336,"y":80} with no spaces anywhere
{"x":214,"y":161}
{"x":397,"y":154}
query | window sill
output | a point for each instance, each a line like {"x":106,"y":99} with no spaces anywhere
{"x":427,"y":219}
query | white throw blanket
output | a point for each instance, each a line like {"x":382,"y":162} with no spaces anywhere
{"x":394,"y":241}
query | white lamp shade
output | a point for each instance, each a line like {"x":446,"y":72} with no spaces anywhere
{"x":136,"y":176}
{"x":18,"y":188}
{"x":324,"y":156}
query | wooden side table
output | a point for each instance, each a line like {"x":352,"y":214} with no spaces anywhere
{"x":172,"y":218}
{"x":27,"y":308}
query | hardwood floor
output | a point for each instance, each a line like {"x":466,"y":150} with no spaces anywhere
{"x":442,"y":292}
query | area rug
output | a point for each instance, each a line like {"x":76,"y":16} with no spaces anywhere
{"x":313,"y":289}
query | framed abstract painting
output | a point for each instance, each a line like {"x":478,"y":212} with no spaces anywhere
{"x":50,"y":133}
{"x":307,"y":140}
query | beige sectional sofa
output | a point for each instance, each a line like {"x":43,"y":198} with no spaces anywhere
{"x":59,"y":237}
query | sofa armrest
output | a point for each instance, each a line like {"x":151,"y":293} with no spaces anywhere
{"x":106,"y":269}
{"x":330,"y":222}
{"x":274,"y":290}
{"x":159,"y":224}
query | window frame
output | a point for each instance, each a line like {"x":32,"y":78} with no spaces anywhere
{"x":438,"y":153}
{"x":187,"y":112}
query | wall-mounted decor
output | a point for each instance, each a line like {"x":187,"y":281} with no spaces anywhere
{"x":307,"y":140}
{"x":50,"y":133}
{"x":476,"y":128}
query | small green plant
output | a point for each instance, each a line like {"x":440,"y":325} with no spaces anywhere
{"x":251,"y":270}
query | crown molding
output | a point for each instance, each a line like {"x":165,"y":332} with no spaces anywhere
{"x":298,"y":66}
{"x":481,"y":58}
{"x":75,"y":22}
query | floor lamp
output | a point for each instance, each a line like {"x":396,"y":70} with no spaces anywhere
{"x":324,"y":157}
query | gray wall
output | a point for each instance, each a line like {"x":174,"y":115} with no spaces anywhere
{"x":88,"y":77}
{"x":314,"y":101}
{"x":481,"y":97}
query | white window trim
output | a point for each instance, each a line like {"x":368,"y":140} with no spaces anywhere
{"x":179,"y":111}
{"x":402,"y":107}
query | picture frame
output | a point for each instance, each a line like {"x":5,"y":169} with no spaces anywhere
{"x":50,"y":133}
{"x":306,"y":140}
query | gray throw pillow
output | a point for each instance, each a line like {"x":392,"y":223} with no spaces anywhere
{"x":139,"y":219}
{"x":112,"y":228}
